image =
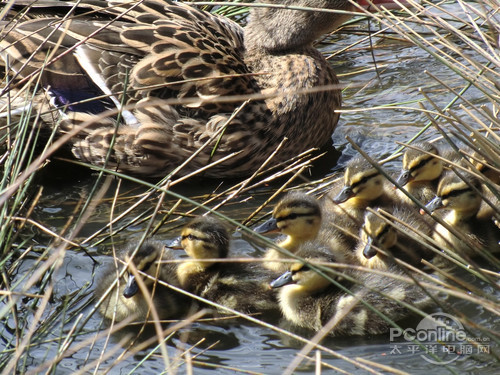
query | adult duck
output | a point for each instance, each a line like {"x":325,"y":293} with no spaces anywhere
{"x":186,"y":75}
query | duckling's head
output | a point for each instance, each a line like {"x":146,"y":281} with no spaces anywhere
{"x":377,"y":232}
{"x":485,"y":167}
{"x":297,"y":215}
{"x":205,"y":237}
{"x":361,"y":182}
{"x":145,"y":259}
{"x":302,"y":276}
{"x":457,"y":194}
{"x":420,"y":164}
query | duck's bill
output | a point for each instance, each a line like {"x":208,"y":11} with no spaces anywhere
{"x":131,"y":288}
{"x":404,"y":177}
{"x":434,"y":204}
{"x":269,"y":226}
{"x":285,"y":279}
{"x":176,"y":244}
{"x":387,"y":4}
{"x":345,"y":194}
{"x":369,"y":251}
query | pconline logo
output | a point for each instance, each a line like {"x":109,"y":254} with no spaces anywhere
{"x":439,"y":338}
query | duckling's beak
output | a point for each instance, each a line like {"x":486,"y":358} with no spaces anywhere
{"x":344,"y":195}
{"x":404,"y":177}
{"x":369,"y":251}
{"x":435,"y":204}
{"x":269,"y":226}
{"x":131,"y":288}
{"x":285,"y":279}
{"x":176,"y":244}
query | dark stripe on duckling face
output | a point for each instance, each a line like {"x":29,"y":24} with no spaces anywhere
{"x":455,"y":193}
{"x":215,"y":248}
{"x":355,"y":186}
{"x":209,"y":231}
{"x":424,"y":161}
{"x":364,"y":180}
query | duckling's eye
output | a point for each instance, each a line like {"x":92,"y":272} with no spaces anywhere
{"x":292,"y":216}
{"x":383,"y":232}
{"x":304,"y":268}
{"x":189,"y":237}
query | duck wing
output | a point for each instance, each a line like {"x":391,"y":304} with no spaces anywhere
{"x":151,"y":48}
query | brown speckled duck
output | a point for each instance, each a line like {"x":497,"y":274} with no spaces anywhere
{"x":185,"y":75}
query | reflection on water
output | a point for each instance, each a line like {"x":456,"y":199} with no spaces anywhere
{"x":235,"y":343}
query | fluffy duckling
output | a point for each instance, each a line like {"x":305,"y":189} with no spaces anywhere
{"x":364,"y":186}
{"x":463,"y":200}
{"x":123,"y":297}
{"x":486,"y":167}
{"x":309,"y":300}
{"x":394,"y":240}
{"x":421,"y":172}
{"x":238,"y":286}
{"x":298,"y":216}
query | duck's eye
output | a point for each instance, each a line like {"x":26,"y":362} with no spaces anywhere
{"x":189,"y":237}
{"x":292,"y":216}
{"x":305,"y":268}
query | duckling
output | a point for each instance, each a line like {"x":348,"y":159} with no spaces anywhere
{"x":298,"y":216}
{"x":490,"y":188}
{"x":486,"y":167}
{"x":172,"y":62}
{"x":421,"y":172}
{"x":463,"y":200}
{"x":309,"y":300}
{"x":364,"y":186}
{"x":237,"y":286}
{"x":123,"y":297}
{"x":395,"y":240}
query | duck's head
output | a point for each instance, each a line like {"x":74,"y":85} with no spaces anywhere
{"x":456,"y":194}
{"x":297,"y":215}
{"x":205,"y":237}
{"x":420,"y":164}
{"x":377,"y":232}
{"x":279,"y":29}
{"x":146,"y":259}
{"x":361,"y":182}
{"x":302,"y":276}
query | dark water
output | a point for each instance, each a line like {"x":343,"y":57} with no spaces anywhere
{"x":238,"y":344}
